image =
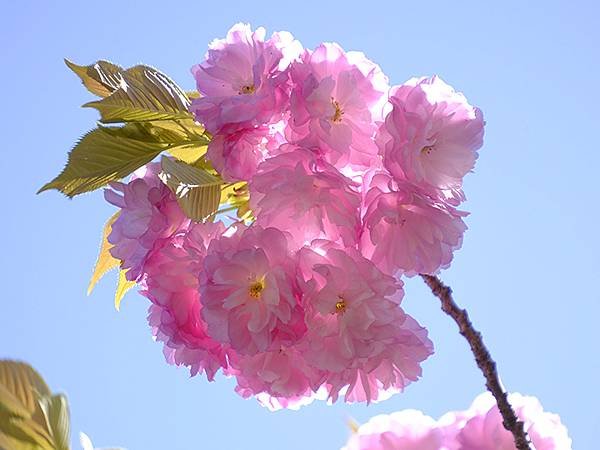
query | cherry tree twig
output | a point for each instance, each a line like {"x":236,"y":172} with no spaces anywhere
{"x":482,"y":357}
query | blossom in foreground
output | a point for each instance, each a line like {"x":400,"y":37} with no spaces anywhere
{"x":478,"y":428}
{"x":243,"y":82}
{"x":237,"y":155}
{"x":279,"y":378}
{"x":303,"y":300}
{"x":431,"y":135}
{"x":299,"y":192}
{"x":336,"y":99}
{"x":249,"y":299}
{"x":148,"y":212}
{"x":171,"y":283}
{"x":407,"y":231}
{"x":358,"y":335}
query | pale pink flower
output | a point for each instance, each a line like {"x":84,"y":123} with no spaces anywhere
{"x":336,"y":99}
{"x":357,"y":332}
{"x":243,"y":81}
{"x":236,"y":155}
{"x":408,"y":231}
{"x":278,"y":379}
{"x":478,"y":428}
{"x":484,"y":430}
{"x":249,"y":299}
{"x":171,"y":283}
{"x":149,"y":213}
{"x":300,"y":193}
{"x":403,"y":430}
{"x":431,"y":136}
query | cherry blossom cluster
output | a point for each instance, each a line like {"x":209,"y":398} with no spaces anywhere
{"x":478,"y":428}
{"x":352,"y":184}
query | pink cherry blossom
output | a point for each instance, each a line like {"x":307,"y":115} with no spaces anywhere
{"x":478,"y":428}
{"x":278,"y":379}
{"x":408,"y":231}
{"x":236,"y":155}
{"x":336,"y":99}
{"x":405,"y":430}
{"x":300,"y":193}
{"x":350,"y":189}
{"x":171,"y":283}
{"x":431,"y":136}
{"x":484,"y":430}
{"x":249,"y":299}
{"x":149,"y":212}
{"x":243,"y":82}
{"x":357,"y":332}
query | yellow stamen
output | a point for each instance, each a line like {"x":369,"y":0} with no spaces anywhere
{"x":256,"y":288}
{"x":340,"y":306}
{"x":248,"y":89}
{"x":338,"y":113}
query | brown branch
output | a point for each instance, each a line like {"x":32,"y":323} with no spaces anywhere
{"x":483,"y":358}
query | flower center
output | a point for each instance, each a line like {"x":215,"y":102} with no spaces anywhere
{"x":427,"y":150}
{"x":248,"y":89}
{"x":340,"y":306}
{"x":338,"y":113}
{"x":256,"y":288}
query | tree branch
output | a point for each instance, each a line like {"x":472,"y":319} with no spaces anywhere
{"x":482,"y":356}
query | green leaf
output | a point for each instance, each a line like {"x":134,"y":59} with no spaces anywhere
{"x":123,"y":285}
{"x":21,"y":421}
{"x":105,"y":261}
{"x":101,"y":78}
{"x":22,"y":384}
{"x":237,"y":195}
{"x":144,"y":94}
{"x":56,"y":413}
{"x":104,"y":155}
{"x":8,"y":442}
{"x":188,"y":153}
{"x":13,"y":437}
{"x":197,"y":191}
{"x":30,"y":433}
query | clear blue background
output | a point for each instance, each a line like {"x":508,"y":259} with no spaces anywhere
{"x":528,"y":271}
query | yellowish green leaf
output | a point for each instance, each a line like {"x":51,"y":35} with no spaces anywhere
{"x":198,"y":192}
{"x":104,"y":155}
{"x":105,"y":261}
{"x":123,"y":285}
{"x":21,"y":421}
{"x":22,"y":383}
{"x":101,"y":78}
{"x":23,"y":433}
{"x":177,"y":131}
{"x":56,"y":414}
{"x":144,"y":94}
{"x":188,"y":153}
{"x":238,"y":196}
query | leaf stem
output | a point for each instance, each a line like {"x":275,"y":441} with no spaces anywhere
{"x":482,"y":357}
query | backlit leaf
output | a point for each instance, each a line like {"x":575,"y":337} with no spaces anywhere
{"x":104,"y":155}
{"x":188,"y":153}
{"x":198,"y":192}
{"x":105,"y":260}
{"x":123,"y":285}
{"x":144,"y":94}
{"x":101,"y":78}
{"x":56,"y":413}
{"x":22,"y":383}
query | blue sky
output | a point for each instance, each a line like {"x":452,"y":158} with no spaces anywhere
{"x":528,"y":271}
